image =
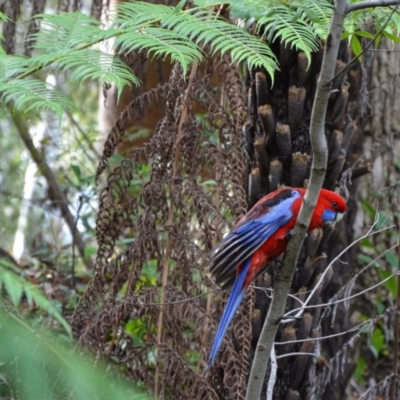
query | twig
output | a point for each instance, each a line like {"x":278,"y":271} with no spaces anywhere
{"x":372,"y":322}
{"x":272,"y":376}
{"x":370,"y":3}
{"x":352,"y":329}
{"x":78,"y":211}
{"x":334,"y":302}
{"x":169,"y":303}
{"x":56,"y":194}
{"x":343,"y":300}
{"x":318,"y":169}
{"x":296,"y":354}
{"x":368,"y":234}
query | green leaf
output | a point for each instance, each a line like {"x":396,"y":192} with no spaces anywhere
{"x":64,"y":31}
{"x":15,"y":286}
{"x":35,"y":94}
{"x":150,"y":268}
{"x":392,"y":259}
{"x":280,"y":25}
{"x":367,"y":260}
{"x":89,"y":251}
{"x":37,"y":366}
{"x":12,"y":286}
{"x":356,"y":47}
{"x":368,"y":208}
{"x":390,"y":284}
{"x":77,"y":171}
{"x":392,"y":37}
{"x":361,"y":368}
{"x":179,"y":6}
{"x":377,"y":342}
{"x":224,"y":38}
{"x":366,"y":242}
{"x":161,"y":43}
{"x":12,"y":65}
{"x":365,"y":34}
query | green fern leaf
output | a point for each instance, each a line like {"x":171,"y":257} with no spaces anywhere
{"x":90,"y":64}
{"x":209,"y":29}
{"x":63,"y":31}
{"x":12,"y":65}
{"x":321,"y":21}
{"x":139,"y":14}
{"x":252,"y":9}
{"x":35,"y":94}
{"x":295,"y":32}
{"x":161,"y":43}
{"x":15,"y":286}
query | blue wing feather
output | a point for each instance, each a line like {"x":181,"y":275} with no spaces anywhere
{"x":231,"y":306}
{"x":260,"y":223}
{"x":236,"y":249}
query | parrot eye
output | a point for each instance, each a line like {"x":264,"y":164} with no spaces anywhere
{"x":334,"y":204}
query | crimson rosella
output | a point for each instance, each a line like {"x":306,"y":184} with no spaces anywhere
{"x":260,"y":237}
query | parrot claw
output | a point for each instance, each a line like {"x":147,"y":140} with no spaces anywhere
{"x":289,"y":234}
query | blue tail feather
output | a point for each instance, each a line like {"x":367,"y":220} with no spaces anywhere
{"x":232,"y":305}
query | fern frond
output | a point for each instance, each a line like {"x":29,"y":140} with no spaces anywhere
{"x":35,"y":94}
{"x":63,"y":31}
{"x":161,"y":43}
{"x":319,"y":15}
{"x":380,"y":17}
{"x":252,"y":9}
{"x":300,"y":24}
{"x":3,"y":18}
{"x":11,"y":65}
{"x":210,"y":29}
{"x":353,"y":22}
{"x":15,"y":286}
{"x":294,"y":32}
{"x":135,"y":14}
{"x":90,"y":64}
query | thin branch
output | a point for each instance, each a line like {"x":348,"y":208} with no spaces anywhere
{"x":350,"y":330}
{"x":368,"y":234}
{"x":189,"y":299}
{"x":347,"y":298}
{"x":318,"y":170}
{"x":56,"y":194}
{"x":272,"y":376}
{"x":296,"y":354}
{"x":368,"y":4}
{"x":372,"y":322}
{"x":333,"y":302}
{"x":74,"y":239}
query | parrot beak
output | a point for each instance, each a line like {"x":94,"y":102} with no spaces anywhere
{"x":339,"y":216}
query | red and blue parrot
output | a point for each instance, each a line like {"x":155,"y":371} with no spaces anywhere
{"x":260,"y":237}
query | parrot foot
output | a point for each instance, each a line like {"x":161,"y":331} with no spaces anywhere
{"x":291,"y":233}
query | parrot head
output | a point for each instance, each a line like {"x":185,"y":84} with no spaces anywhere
{"x":332,"y":206}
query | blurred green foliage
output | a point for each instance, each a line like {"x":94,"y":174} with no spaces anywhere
{"x":37,"y":366}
